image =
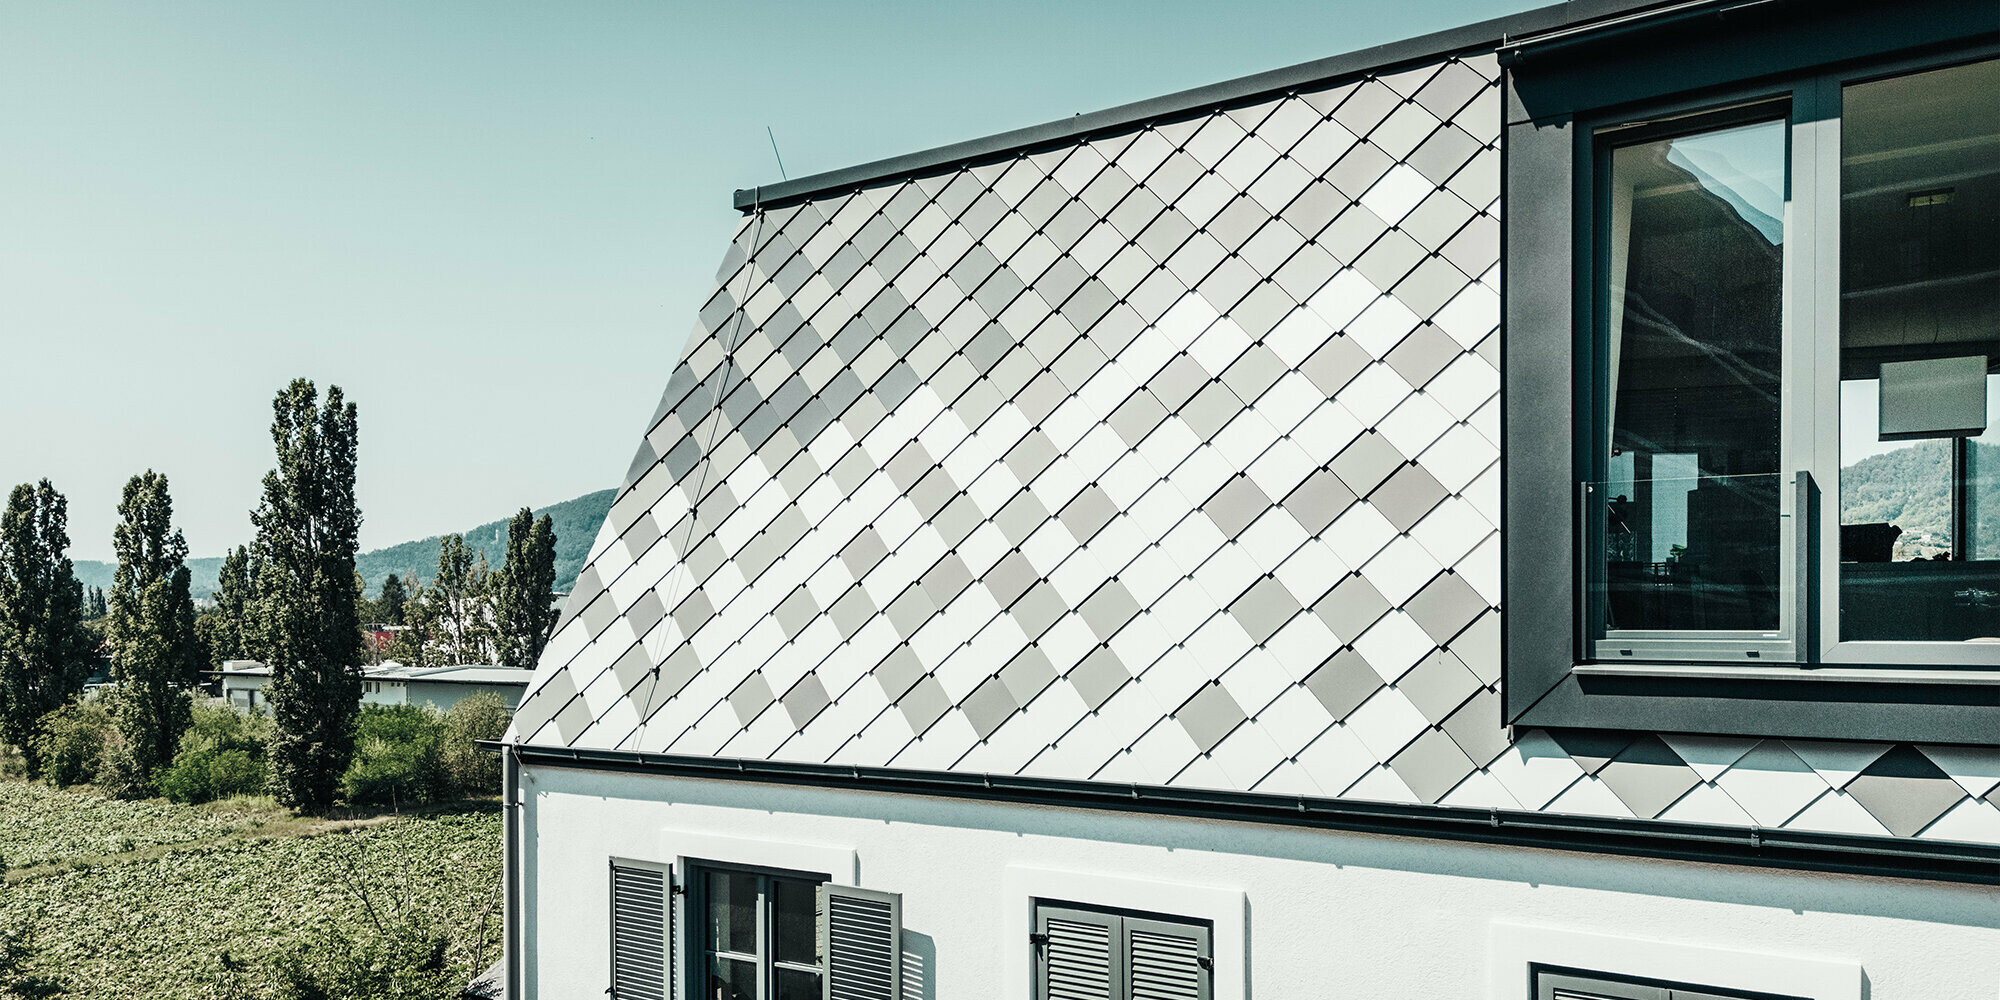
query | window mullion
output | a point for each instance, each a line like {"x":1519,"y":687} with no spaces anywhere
{"x":767,"y":977}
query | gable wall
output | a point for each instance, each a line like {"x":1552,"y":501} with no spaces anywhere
{"x":1169,"y":457}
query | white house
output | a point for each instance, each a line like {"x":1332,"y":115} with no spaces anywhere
{"x":1070,"y":563}
{"x":390,"y":683}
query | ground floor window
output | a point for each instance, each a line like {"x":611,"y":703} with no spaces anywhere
{"x":1093,"y":953}
{"x":757,"y":934}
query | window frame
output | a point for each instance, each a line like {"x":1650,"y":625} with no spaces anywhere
{"x":695,"y":944}
{"x":1556,"y":106}
{"x":1547,"y":979}
{"x":1603,"y":135}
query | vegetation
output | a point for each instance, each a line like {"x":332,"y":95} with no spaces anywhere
{"x":458,"y":599}
{"x":335,"y":908}
{"x":45,"y":651}
{"x":70,"y":743}
{"x":408,"y":755}
{"x":156,"y":656}
{"x":524,"y":610}
{"x":305,"y":623}
{"x":221,"y":755}
{"x":574,"y":523}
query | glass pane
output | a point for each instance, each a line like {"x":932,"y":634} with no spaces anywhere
{"x":1919,"y":337}
{"x":1698,"y":553}
{"x":732,"y":912}
{"x":1693,"y":269}
{"x":797,"y":984}
{"x":793,"y":920}
{"x":731,"y":979}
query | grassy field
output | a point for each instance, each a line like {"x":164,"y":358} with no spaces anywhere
{"x":153,"y":900}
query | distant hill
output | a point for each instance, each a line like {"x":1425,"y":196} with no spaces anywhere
{"x":1910,"y":487}
{"x":576,"y":523}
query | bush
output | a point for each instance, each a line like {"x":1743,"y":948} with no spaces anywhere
{"x":221,"y":754}
{"x":398,"y":758}
{"x":473,"y":771}
{"x":119,"y":773}
{"x":70,"y":742}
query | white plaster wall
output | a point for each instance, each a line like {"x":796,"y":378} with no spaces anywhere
{"x":1324,"y":914}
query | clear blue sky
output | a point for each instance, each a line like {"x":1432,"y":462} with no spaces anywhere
{"x":491,"y":223}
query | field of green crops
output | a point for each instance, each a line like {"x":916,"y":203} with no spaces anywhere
{"x":150,"y":900}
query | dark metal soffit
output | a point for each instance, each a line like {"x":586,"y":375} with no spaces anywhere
{"x":1485,"y":36}
{"x":1699,"y":842}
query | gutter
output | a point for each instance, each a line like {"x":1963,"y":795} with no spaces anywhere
{"x":1940,"y":861}
{"x":512,"y":931}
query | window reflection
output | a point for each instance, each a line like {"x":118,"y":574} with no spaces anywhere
{"x":1693,"y":270}
{"x":1920,"y":282}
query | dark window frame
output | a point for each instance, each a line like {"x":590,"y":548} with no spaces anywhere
{"x":1558,"y":93}
{"x":694,"y":944}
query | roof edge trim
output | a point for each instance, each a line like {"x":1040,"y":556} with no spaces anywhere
{"x":1944,"y":861}
{"x":1486,"y":34}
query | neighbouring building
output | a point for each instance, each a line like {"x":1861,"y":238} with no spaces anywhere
{"x":391,"y":683}
{"x":1071,"y":563}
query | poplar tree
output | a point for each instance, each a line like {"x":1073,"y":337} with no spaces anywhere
{"x":304,"y":622}
{"x":524,"y":598}
{"x":235,"y":592}
{"x":155,"y":654}
{"x":458,"y":602}
{"x":45,"y":652}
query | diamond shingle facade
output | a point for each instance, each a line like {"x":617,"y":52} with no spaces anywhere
{"x":1170,"y":456}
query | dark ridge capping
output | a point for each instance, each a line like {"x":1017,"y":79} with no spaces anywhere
{"x":1515,"y":51}
{"x":1941,"y":861}
{"x":1389,"y":56}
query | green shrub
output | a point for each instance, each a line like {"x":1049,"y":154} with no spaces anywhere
{"x":478,"y":717}
{"x":70,"y":743}
{"x":398,"y":758}
{"x":221,"y":754}
{"x":120,"y":774}
{"x":203,"y":774}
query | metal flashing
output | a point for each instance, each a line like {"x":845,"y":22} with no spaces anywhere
{"x":1928,"y":860}
{"x":1482,"y":35}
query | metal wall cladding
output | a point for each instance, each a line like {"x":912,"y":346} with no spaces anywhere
{"x":1167,"y":457}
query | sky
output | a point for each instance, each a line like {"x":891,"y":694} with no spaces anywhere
{"x":491,"y":223}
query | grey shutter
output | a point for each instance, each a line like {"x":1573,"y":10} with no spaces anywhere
{"x":1076,"y":955}
{"x":641,"y":932}
{"x":861,"y":943}
{"x":1564,"y":986}
{"x":1167,"y":960}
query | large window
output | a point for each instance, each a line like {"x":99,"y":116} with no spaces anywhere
{"x":1772,"y":304}
{"x":756,"y":934}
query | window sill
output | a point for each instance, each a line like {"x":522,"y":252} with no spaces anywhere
{"x":1794,"y":673}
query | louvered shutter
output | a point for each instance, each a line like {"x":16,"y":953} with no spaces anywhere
{"x":1167,"y":960}
{"x":861,"y":943}
{"x":1076,"y":954}
{"x":641,"y":932}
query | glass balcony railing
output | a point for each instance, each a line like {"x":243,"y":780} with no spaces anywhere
{"x":1700,"y":554}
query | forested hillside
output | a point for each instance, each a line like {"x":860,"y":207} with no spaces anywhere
{"x":1910,"y":487}
{"x":576,"y":523}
